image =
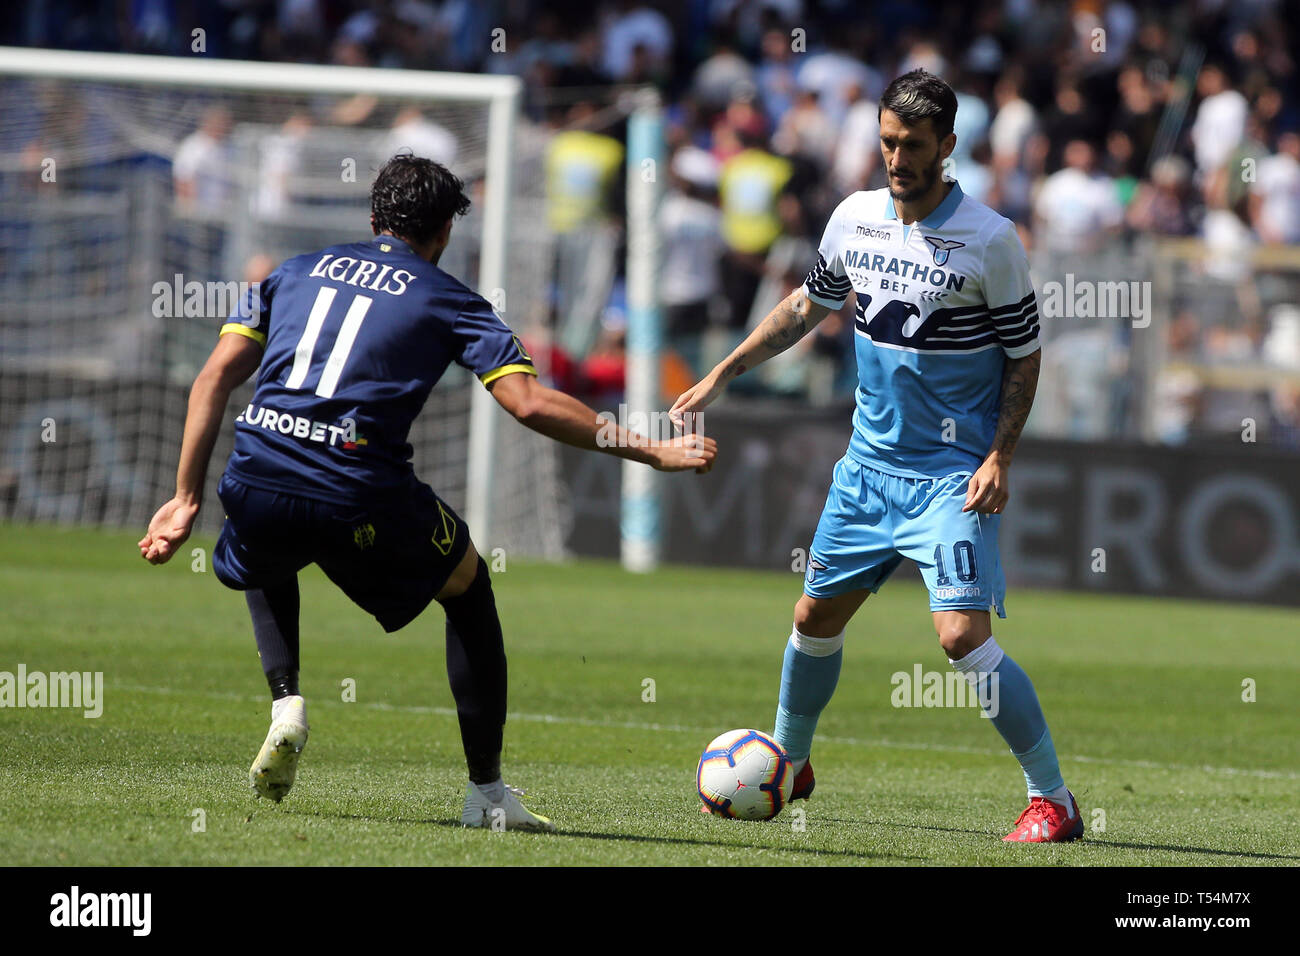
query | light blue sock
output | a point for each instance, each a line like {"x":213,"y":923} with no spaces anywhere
{"x":808,"y":677}
{"x":1008,"y":697}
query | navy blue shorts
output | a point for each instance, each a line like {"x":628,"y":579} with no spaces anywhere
{"x":390,"y":557}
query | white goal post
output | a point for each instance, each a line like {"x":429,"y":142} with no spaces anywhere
{"x":499,"y":94}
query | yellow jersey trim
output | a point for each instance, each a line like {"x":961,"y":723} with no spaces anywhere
{"x":487,"y":378}
{"x":256,"y":336}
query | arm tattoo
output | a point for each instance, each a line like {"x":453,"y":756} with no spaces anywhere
{"x":733,"y":370}
{"x":1019,"y":382}
{"x":786,"y":324}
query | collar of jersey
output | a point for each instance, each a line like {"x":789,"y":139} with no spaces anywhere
{"x":941,"y":214}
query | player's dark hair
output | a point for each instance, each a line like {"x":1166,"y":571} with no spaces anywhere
{"x":920,"y":95}
{"x":413,"y":198}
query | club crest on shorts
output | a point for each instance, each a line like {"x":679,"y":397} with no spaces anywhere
{"x":444,"y":534}
{"x":939,"y":248}
{"x":363,"y":535}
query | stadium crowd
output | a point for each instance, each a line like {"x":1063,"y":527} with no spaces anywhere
{"x":1096,"y":126}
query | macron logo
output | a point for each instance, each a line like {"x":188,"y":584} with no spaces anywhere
{"x":103,"y":909}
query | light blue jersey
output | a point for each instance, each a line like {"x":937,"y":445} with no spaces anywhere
{"x":939,"y":305}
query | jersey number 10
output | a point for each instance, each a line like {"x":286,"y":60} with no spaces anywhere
{"x":302,"y":353}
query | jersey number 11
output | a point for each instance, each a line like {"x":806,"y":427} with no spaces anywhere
{"x":302,"y":353}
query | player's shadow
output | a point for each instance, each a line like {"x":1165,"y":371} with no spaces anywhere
{"x":667,"y":841}
{"x":1085,"y":842}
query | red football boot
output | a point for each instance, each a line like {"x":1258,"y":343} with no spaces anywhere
{"x":803,"y":783}
{"x":1046,"y":822}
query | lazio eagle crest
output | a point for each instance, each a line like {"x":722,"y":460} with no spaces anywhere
{"x":939,"y":248}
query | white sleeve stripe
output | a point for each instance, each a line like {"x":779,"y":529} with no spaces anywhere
{"x":961,"y":338}
{"x":1028,"y":336}
{"x":828,"y":301}
{"x":978,"y":310}
{"x":1017,"y":321}
{"x":1015,"y":306}
{"x":1018,"y":310}
{"x":1011,"y":331}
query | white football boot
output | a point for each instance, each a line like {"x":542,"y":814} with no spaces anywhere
{"x":272,"y":772}
{"x":509,"y":814}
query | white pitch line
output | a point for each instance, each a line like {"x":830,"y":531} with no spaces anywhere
{"x":701,"y":733}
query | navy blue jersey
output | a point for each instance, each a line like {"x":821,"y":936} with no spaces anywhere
{"x":355,"y":337}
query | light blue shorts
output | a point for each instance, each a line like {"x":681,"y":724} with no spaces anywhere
{"x":872,"y":521}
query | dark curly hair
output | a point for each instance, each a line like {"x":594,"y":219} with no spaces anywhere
{"x":413,"y":198}
{"x":917,"y":95}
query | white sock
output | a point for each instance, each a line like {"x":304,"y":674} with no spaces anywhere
{"x":816,"y":646}
{"x":278,"y":706}
{"x":1061,"y":796}
{"x":798,"y":765}
{"x":494,"y":791}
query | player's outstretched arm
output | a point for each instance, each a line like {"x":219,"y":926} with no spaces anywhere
{"x":564,"y":418}
{"x":233,"y":360}
{"x":791,"y":320}
{"x":987,"y":491}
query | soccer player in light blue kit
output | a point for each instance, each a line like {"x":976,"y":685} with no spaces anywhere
{"x":948,"y":357}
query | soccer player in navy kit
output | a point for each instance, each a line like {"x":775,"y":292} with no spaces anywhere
{"x":948,"y":355}
{"x":348,"y":342}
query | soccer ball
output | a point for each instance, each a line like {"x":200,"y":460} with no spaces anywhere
{"x":746,"y":775}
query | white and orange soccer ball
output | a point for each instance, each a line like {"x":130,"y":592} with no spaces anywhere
{"x":744,"y":774}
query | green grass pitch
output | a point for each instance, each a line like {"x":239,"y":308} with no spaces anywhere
{"x":1144,"y":698}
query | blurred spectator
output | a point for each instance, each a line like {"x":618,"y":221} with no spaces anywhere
{"x":1285,"y":426}
{"x":1220,"y":120}
{"x":1071,"y":117}
{"x":584,"y":198}
{"x":201,"y":166}
{"x":972,"y":121}
{"x":740,"y":123}
{"x":1138,"y":116}
{"x":423,"y":137}
{"x":1226,"y":229}
{"x":1275,"y":197}
{"x":636,"y":27}
{"x":723,"y":77}
{"x":1077,"y":210}
{"x":857,"y":151}
{"x":1164,"y":205}
{"x":1178,"y":397}
{"x":1281,"y":346}
{"x":976,"y":173}
{"x":776,"y":75}
{"x":1013,"y":122}
{"x":923,"y":55}
{"x":583,"y":170}
{"x":691,"y":225}
{"x":806,"y":131}
{"x":834,"y":74}
{"x":280,"y":158}
{"x":747,"y":18}
{"x":750,"y":187}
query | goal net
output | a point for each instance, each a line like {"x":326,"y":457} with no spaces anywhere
{"x":138,"y":195}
